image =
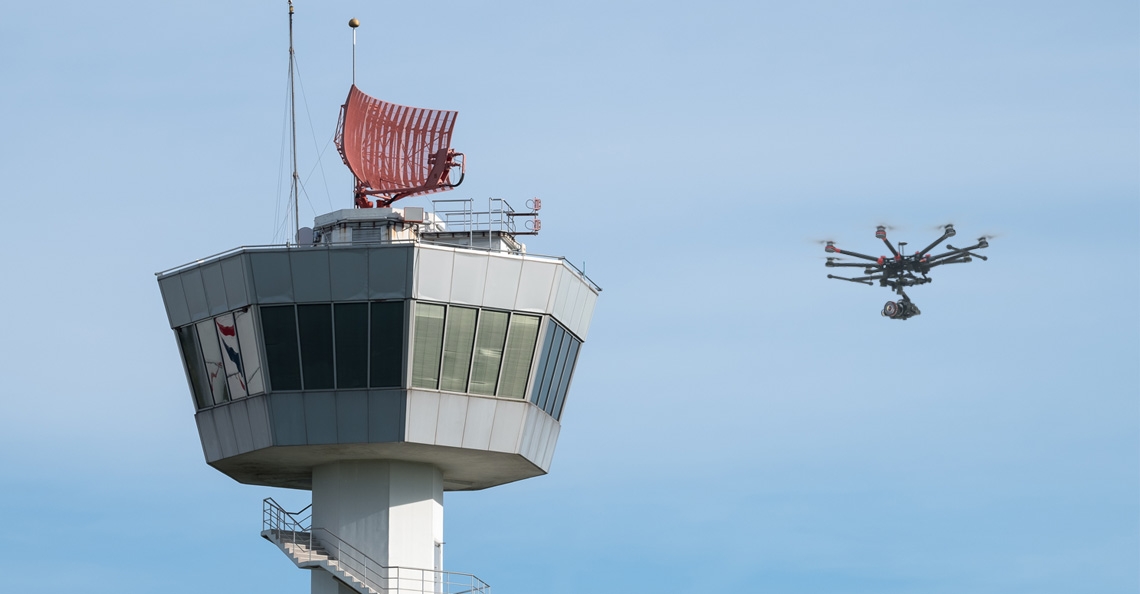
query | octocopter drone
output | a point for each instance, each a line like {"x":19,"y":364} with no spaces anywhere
{"x":898,"y":271}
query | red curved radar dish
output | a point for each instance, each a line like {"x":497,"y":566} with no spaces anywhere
{"x":396,"y":151}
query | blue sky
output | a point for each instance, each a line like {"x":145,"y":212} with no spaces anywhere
{"x":737,"y":421}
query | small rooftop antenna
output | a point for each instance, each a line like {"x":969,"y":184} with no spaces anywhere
{"x":293,"y":119}
{"x":354,"y":23}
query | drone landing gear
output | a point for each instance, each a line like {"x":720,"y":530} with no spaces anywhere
{"x":900,"y":310}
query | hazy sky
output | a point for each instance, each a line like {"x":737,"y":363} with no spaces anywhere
{"x":737,"y":422}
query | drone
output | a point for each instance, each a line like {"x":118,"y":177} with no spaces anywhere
{"x":899,"y":271}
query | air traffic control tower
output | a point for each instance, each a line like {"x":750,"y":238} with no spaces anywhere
{"x":389,"y":355}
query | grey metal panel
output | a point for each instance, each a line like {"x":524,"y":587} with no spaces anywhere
{"x":530,"y":428}
{"x":233,"y":275}
{"x":423,"y":411}
{"x":258,"y":411}
{"x":287,"y":412}
{"x":215,"y":288}
{"x":452,"y":417}
{"x":310,"y":274}
{"x":320,"y":417}
{"x":348,"y":269}
{"x":224,"y":425}
{"x":209,"y":435}
{"x":247,"y":274}
{"x":389,"y":272}
{"x":352,"y":417}
{"x":239,"y":412}
{"x":502,"y":282}
{"x":195,"y":295}
{"x":551,"y":442}
{"x":480,"y":419}
{"x":386,"y":415}
{"x":272,"y":281}
{"x":175,"y":300}
{"x":468,"y":278}
{"x":433,"y":273}
{"x":507,"y":427}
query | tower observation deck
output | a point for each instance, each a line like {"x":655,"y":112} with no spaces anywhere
{"x":390,"y":355}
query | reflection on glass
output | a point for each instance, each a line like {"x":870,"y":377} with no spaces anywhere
{"x":351,"y":345}
{"x":231,"y":355}
{"x":428,"y":343}
{"x":552,"y":366}
{"x":387,"y":344}
{"x":564,"y":383}
{"x":212,"y":356}
{"x":521,"y":337}
{"x":544,"y":361}
{"x":488,"y":352}
{"x":458,"y":341}
{"x":314,"y":323}
{"x":251,"y":361}
{"x":279,"y":327}
{"x":195,"y":368}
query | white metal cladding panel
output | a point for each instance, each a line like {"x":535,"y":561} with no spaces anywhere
{"x":259,"y":422}
{"x":570,"y":302}
{"x":502,"y":281}
{"x":508,"y":426}
{"x":423,"y":411}
{"x":530,"y":426}
{"x":551,"y":442}
{"x":175,"y":300}
{"x":480,"y":420}
{"x":535,"y":284}
{"x":561,"y":292}
{"x":233,"y":275}
{"x":468,"y":277}
{"x":215,"y":288}
{"x":239,"y":411}
{"x":272,"y":279}
{"x":539,"y":444}
{"x":195,"y":294}
{"x":224,"y":425}
{"x":452,"y":417}
{"x":348,"y":272}
{"x":390,"y":272}
{"x":587,"y":314}
{"x":433,"y":274}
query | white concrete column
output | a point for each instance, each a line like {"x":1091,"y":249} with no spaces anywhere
{"x":391,"y":511}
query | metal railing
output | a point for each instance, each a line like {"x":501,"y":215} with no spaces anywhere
{"x":318,"y":544}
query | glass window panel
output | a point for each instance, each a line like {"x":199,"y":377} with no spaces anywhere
{"x":351,"y":345}
{"x":552,"y":367}
{"x":251,"y":360}
{"x":457,"y":344}
{"x":427,"y":346}
{"x":544,"y":361}
{"x":279,"y":328}
{"x":488,"y":352}
{"x":231,"y":355}
{"x":212,"y":356}
{"x":314,"y":324}
{"x":387,"y":344}
{"x":521,"y":338}
{"x":559,"y":369}
{"x":195,"y":367}
{"x":564,"y":383}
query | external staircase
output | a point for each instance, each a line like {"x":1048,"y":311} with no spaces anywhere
{"x":320,"y":550}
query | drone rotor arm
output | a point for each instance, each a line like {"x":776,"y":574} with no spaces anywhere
{"x":860,"y":280}
{"x":856,"y":255}
{"x":945,"y":235}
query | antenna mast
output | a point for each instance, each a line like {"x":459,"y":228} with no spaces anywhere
{"x":293,"y":120}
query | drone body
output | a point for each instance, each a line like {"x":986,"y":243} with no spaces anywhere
{"x":899,"y":271}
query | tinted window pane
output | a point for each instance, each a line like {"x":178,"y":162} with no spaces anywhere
{"x":457,"y":344}
{"x":195,"y":368}
{"x":251,"y":360}
{"x":427,"y":346}
{"x":564,"y":383}
{"x":488,"y":352}
{"x":351,"y":345}
{"x":279,"y":327}
{"x":544,"y":361}
{"x":231,"y":355}
{"x":516,"y":359}
{"x":552,"y":367}
{"x":387,"y":344}
{"x":314,"y":322}
{"x":212,"y":355}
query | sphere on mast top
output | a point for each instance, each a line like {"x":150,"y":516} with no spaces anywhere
{"x":354,"y":23}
